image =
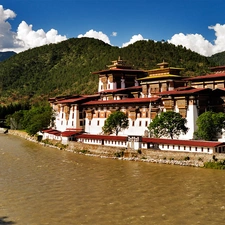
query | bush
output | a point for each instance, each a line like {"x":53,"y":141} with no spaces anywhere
{"x":119,"y":154}
{"x":215,"y":165}
{"x":214,"y":158}
{"x":84,"y":151}
{"x":139,"y":151}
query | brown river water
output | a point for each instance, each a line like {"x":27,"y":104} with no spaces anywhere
{"x":40,"y":185}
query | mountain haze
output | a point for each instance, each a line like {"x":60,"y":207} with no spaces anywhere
{"x":66,"y":68}
{"x":6,"y":55}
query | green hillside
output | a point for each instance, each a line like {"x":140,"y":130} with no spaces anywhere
{"x":218,"y":59}
{"x":6,"y":55}
{"x":65,"y":68}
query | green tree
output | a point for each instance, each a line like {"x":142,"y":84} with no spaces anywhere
{"x":168,"y":124}
{"x":209,"y":125}
{"x":116,"y":122}
{"x":15,"y":120}
{"x":37,"y":118}
{"x":33,"y":120}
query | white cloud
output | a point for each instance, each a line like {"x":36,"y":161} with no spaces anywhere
{"x":31,"y":38}
{"x":7,"y":37}
{"x":114,"y":34}
{"x":95,"y":34}
{"x":25,"y":37}
{"x":199,"y":44}
{"x":134,"y":38}
{"x":220,"y":38}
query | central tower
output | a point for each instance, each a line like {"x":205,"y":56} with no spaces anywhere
{"x":118,"y":75}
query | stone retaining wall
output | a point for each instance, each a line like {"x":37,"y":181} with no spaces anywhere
{"x":144,"y":155}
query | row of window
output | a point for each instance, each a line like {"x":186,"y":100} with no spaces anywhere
{"x":81,"y":115}
{"x":186,"y":148}
{"x":146,"y":123}
{"x":82,"y":123}
{"x":105,"y":142}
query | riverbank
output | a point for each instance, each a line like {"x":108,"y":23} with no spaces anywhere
{"x":149,"y":155}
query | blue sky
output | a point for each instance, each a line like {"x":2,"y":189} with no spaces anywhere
{"x":195,"y":24}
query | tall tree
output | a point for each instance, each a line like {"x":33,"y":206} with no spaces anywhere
{"x":209,"y":125}
{"x":168,"y":124}
{"x":33,"y":120}
{"x":116,"y":122}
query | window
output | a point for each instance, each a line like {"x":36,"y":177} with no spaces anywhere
{"x":81,"y":123}
{"x":72,"y":115}
{"x":97,"y":122}
{"x":146,"y":123}
{"x":89,"y":122}
{"x":80,"y":115}
{"x":133,"y":123}
{"x":72,"y":123}
{"x":139,"y":123}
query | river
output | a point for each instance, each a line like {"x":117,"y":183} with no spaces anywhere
{"x":41,"y":185}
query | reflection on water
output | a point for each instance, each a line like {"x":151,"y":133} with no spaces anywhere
{"x":41,"y":185}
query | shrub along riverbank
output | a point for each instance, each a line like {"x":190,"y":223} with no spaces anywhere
{"x":203,"y":160}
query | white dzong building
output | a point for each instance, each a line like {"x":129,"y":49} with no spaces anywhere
{"x":141,"y":94}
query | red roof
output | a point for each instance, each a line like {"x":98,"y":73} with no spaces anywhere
{"x":51,"y":131}
{"x":69,"y":133}
{"x":123,"y":101}
{"x":182,"y":92}
{"x":196,"y":143}
{"x":207,"y":77}
{"x":71,"y":100}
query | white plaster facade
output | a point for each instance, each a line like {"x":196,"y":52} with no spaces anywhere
{"x":72,"y":114}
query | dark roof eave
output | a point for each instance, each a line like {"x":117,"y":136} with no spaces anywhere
{"x":123,"y":101}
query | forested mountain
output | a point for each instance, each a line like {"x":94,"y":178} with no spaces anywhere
{"x":65,"y":68}
{"x":218,"y":59}
{"x":6,"y":55}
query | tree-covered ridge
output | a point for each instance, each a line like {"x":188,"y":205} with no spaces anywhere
{"x":65,"y":68}
{"x":218,"y":59}
{"x":6,"y":55}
